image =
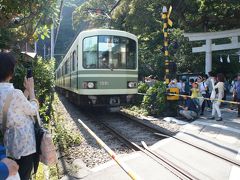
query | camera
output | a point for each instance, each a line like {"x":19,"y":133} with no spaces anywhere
{"x":29,"y":73}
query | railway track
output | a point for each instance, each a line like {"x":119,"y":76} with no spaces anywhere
{"x":162,"y":133}
{"x":95,"y":121}
{"x":114,"y":124}
{"x":172,"y":167}
{"x":137,"y":139}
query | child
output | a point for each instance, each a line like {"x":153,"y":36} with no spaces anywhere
{"x":195,"y":94}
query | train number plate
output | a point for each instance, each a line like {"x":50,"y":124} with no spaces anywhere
{"x":103,"y":83}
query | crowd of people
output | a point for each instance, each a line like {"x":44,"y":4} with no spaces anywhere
{"x":206,"y":90}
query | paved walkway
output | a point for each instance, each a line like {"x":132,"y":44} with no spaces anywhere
{"x":221,"y":137}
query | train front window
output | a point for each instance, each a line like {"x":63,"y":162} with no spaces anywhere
{"x":90,"y":53}
{"x":112,"y":52}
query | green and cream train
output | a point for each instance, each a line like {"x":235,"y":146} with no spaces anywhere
{"x":100,"y":68}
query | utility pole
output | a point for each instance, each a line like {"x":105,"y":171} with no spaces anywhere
{"x":52,"y":40}
{"x":44,"y":51}
{"x":169,"y":69}
{"x":35,"y":47}
{"x":166,"y":22}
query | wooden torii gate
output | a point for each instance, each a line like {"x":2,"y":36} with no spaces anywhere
{"x":209,"y":46}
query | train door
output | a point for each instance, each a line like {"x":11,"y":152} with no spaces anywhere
{"x":70,"y":63}
{"x":77,"y":66}
{"x":64,"y":72}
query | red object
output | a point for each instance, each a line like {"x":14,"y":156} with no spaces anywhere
{"x":98,"y":11}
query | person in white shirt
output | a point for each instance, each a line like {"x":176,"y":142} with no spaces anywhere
{"x":173,"y":83}
{"x":19,"y":135}
{"x":202,"y":89}
{"x":208,"y":81}
{"x":219,"y":94}
{"x":181,"y":86}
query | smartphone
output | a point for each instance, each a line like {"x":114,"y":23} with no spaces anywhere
{"x":29,"y":73}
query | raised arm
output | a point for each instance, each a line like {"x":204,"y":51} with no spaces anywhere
{"x":23,"y":106}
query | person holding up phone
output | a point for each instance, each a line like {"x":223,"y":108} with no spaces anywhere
{"x":19,"y":135}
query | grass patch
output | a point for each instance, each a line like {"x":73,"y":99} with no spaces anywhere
{"x":64,"y":137}
{"x":40,"y":173}
{"x":136,"y":111}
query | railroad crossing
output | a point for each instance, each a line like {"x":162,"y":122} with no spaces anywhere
{"x":215,"y":154}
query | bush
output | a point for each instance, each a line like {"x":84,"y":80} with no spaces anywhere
{"x":43,"y":72}
{"x":65,"y":138}
{"x":142,"y":87}
{"x":155,"y":99}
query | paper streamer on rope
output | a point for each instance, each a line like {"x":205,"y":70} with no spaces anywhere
{"x":230,"y":102}
{"x":228,"y":59}
{"x":221,"y":59}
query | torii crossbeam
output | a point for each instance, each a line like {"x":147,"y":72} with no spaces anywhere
{"x":209,"y":46}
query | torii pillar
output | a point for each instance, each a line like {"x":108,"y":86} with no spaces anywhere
{"x":209,"y":47}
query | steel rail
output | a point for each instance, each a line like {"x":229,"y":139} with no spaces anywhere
{"x":158,"y":155}
{"x":121,"y":163}
{"x":234,"y":162}
{"x":161,"y":134}
{"x":172,"y":167}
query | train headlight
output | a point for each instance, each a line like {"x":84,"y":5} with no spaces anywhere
{"x":132,"y":84}
{"x":89,"y":85}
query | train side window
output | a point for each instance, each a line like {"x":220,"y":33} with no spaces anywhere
{"x":73,"y":60}
{"x":68,"y":65}
{"x":65,"y":69}
{"x":131,"y":54}
{"x":70,"y":62}
{"x":90,"y":52}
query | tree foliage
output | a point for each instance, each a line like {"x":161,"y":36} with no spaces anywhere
{"x":143,"y":18}
{"x":95,"y":13}
{"x":23,"y":20}
{"x":207,"y":15}
{"x":154,"y":101}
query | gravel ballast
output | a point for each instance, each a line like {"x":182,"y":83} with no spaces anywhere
{"x":89,"y":151}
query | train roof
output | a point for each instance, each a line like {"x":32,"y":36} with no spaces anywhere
{"x":108,"y":31}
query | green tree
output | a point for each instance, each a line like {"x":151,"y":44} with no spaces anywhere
{"x":95,"y":13}
{"x":22,"y":21}
{"x":143,"y":18}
